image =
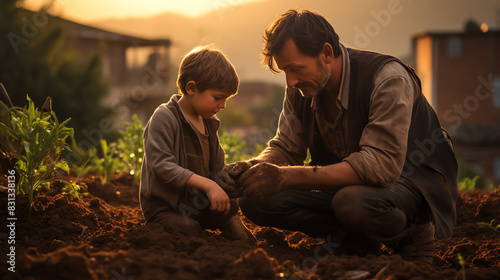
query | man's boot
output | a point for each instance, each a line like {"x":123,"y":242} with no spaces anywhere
{"x":418,"y":245}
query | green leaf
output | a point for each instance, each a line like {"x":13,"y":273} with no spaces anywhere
{"x":26,"y":146}
{"x":63,"y":166}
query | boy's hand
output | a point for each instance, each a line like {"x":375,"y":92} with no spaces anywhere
{"x":217,"y":197}
{"x":236,"y":169}
{"x":219,"y":201}
{"x":230,"y":174}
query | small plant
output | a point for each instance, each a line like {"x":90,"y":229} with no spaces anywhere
{"x":131,"y":148}
{"x":493,"y":188}
{"x":461,"y":261}
{"x":36,"y":139}
{"x":73,"y":186}
{"x":490,"y":225}
{"x":108,"y":163}
{"x":467,"y":184}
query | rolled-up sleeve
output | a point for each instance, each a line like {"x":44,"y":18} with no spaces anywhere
{"x":384,"y":139}
{"x":289,"y":139}
{"x":159,"y":150}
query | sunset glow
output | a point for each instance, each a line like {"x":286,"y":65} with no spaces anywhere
{"x":89,"y":10}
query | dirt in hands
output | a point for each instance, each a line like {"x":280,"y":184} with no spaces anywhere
{"x":103,"y":236}
{"x":262,"y":180}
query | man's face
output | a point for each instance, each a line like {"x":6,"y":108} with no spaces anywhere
{"x":306,"y":73}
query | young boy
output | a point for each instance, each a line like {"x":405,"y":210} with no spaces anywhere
{"x":183,"y":155}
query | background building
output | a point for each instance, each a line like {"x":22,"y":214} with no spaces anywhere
{"x":137,"y":69}
{"x":460,"y":74}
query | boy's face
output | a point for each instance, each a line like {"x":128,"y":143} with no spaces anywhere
{"x":209,"y":102}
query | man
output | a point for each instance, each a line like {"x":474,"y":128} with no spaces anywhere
{"x":382,"y":168}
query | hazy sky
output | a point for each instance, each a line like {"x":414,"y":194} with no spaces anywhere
{"x":89,"y":10}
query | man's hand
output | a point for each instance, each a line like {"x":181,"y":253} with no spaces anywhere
{"x":263,"y":180}
{"x":230,"y":174}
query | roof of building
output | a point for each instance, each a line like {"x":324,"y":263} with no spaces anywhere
{"x":477,"y":134}
{"x":93,"y":33}
{"x":493,"y":33}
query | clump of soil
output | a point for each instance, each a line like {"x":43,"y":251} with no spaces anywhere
{"x":103,"y":235}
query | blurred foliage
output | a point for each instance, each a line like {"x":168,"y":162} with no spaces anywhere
{"x":36,"y":140}
{"x":492,"y":187}
{"x":131,"y":146}
{"x":267,"y":113}
{"x":236,"y":149}
{"x":36,"y":58}
{"x":124,"y":154}
{"x":467,"y":184}
{"x":466,"y":170}
{"x":264,"y":115}
{"x":231,"y":117}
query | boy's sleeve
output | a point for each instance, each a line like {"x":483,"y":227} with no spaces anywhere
{"x":159,"y":149}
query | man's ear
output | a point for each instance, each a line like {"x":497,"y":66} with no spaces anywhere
{"x":191,"y":88}
{"x":327,"y":53}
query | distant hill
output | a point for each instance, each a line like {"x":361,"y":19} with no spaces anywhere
{"x":385,"y":26}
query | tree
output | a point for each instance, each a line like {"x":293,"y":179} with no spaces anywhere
{"x":37,"y":59}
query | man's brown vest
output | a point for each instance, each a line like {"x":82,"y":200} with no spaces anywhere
{"x":430,"y":162}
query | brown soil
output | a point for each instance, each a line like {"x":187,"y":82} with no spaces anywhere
{"x":103,"y":236}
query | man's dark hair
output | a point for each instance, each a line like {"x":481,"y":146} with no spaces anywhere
{"x":308,"y":30}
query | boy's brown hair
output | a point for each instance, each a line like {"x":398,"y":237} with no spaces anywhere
{"x":209,"y":68}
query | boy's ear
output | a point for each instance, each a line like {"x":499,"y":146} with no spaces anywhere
{"x":191,"y":88}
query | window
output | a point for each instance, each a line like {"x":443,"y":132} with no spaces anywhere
{"x":496,"y":168}
{"x":496,"y":91}
{"x":454,"y":47}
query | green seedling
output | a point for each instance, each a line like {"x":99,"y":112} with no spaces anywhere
{"x":468,"y":184}
{"x":493,"y":188}
{"x":461,"y":261}
{"x":106,"y":165}
{"x":36,"y":139}
{"x":73,"y":186}
{"x":490,"y":225}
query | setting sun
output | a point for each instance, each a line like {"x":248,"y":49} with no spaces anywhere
{"x":96,"y":9}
